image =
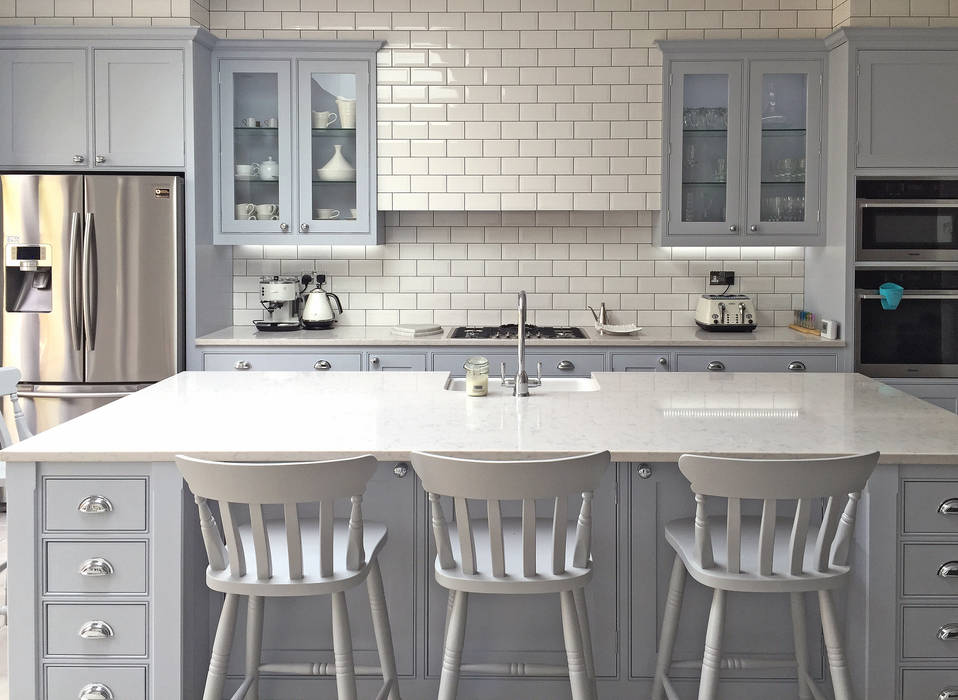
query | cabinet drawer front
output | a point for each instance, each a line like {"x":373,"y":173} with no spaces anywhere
{"x":919,"y":632}
{"x":396,"y":362}
{"x":922,"y":500}
{"x":65,"y":621}
{"x":283,"y":362}
{"x":96,"y":567}
{"x":554,"y":364}
{"x":755,"y":363}
{"x":126,"y":499}
{"x":927,"y":682}
{"x":646,"y":362}
{"x":124,"y":682}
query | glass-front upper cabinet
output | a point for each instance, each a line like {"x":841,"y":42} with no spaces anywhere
{"x":334,"y":153}
{"x":705,"y":148}
{"x":784,"y":147}
{"x":256,"y":173}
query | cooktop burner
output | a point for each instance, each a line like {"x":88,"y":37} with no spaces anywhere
{"x":509,"y":331}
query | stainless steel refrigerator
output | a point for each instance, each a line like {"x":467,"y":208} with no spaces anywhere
{"x":92,"y":287}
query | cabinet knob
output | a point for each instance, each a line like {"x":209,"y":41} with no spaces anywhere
{"x":644,"y":471}
{"x":284,"y":227}
{"x":733,"y":228}
{"x":565,"y":365}
{"x":78,"y":158}
{"x":663,"y":361}
{"x":303,"y":228}
{"x":97,"y":566}
{"x":715,"y":366}
{"x":322,"y":365}
{"x":374,"y":361}
{"x":96,"y":629}
{"x":242,"y":365}
{"x":95,"y":505}
{"x":95,"y":691}
{"x":753,"y":227}
{"x":949,"y":507}
{"x":948,"y":693}
{"x":796,"y":366}
{"x":101,"y":160}
{"x":400,"y":470}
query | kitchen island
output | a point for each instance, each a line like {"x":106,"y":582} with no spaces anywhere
{"x":164,"y":613}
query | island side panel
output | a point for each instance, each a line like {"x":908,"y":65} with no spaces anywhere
{"x":22,"y":579}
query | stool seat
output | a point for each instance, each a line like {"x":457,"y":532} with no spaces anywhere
{"x":681,"y":535}
{"x":513,"y":582}
{"x":312,"y":582}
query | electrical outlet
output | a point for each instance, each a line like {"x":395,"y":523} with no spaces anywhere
{"x":722,"y":277}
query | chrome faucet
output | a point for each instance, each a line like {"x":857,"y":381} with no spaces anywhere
{"x":520,"y":383}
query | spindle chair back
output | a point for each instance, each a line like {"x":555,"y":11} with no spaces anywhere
{"x":9,"y":378}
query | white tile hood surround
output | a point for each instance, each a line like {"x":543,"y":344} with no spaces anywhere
{"x":638,"y":417}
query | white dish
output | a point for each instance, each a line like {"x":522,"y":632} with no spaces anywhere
{"x":339,"y":176}
{"x":247,"y":178}
{"x":617,"y":328}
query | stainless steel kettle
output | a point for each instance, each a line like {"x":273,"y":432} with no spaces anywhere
{"x":319,"y":312}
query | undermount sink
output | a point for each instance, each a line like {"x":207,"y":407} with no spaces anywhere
{"x":550,"y":385}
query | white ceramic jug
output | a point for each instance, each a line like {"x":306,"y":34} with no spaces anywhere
{"x":269,"y":169}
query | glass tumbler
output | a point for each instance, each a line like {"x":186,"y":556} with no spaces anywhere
{"x":477,"y":376}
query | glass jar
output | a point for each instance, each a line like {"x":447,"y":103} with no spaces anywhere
{"x":477,"y":376}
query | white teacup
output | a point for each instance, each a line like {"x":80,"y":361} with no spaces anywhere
{"x":245,"y":211}
{"x":347,"y":112}
{"x":352,"y":213}
{"x":272,"y":122}
{"x":249,"y":121}
{"x":247,"y":170}
{"x":323,"y":120}
{"x":327,"y":213}
{"x":266,"y":211}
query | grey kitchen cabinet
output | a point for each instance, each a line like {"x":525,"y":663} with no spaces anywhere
{"x":640,"y":362}
{"x":318,"y":360}
{"x":295,"y":127}
{"x":138,"y":107}
{"x":941,"y":392}
{"x":396,"y":362}
{"x":555,"y":363}
{"x":906,"y":106}
{"x":743,"y":143}
{"x":43,"y":107}
{"x":752,"y":362}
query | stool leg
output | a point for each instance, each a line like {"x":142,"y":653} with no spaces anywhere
{"x":801,"y":643}
{"x":254,"y":643}
{"x":343,"y":649}
{"x":384,"y":639}
{"x":578,"y":678}
{"x":452,"y":652}
{"x":670,"y":627}
{"x":582,"y":612}
{"x":712,"y":658}
{"x":222,"y":643}
{"x":841,"y":680}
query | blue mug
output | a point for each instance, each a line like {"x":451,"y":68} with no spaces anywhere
{"x":890,"y":295}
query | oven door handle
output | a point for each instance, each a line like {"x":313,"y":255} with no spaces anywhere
{"x":922,"y":295}
{"x":906,"y":203}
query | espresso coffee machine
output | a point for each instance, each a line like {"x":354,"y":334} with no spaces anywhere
{"x":280,"y":297}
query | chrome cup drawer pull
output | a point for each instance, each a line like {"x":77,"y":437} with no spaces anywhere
{"x":797,"y":366}
{"x":95,"y":691}
{"x":97,"y":566}
{"x":95,"y":504}
{"x":715,"y":366}
{"x":949,"y":507}
{"x":948,"y":693}
{"x":96,"y":629}
{"x":565,"y":365}
{"x":322,"y":365}
{"x":242,"y":365}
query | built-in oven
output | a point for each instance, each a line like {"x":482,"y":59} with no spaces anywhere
{"x":907,"y":220}
{"x":919,"y":338}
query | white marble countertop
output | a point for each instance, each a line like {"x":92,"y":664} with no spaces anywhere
{"x":637,"y":416}
{"x":657,"y":336}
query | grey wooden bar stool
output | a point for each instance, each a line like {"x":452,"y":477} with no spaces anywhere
{"x":764,"y":554}
{"x":290,"y":556}
{"x":502,"y":555}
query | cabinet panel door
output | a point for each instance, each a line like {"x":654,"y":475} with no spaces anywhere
{"x":256,"y":153}
{"x":784,"y":148}
{"x":335,"y":199}
{"x":705,"y":148}
{"x":907,"y":102}
{"x":138,"y":108}
{"x":396,"y":362}
{"x":43,"y":108}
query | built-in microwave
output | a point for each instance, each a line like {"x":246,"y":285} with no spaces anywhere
{"x":902,"y":220}
{"x":919,"y":338}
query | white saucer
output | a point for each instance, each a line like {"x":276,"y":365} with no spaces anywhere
{"x":618,"y":328}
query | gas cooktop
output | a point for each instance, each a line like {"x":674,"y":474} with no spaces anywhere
{"x":509,"y":331}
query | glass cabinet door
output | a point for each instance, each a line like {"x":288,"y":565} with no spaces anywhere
{"x":784,"y":147}
{"x":255,"y":144}
{"x":705,"y":148}
{"x":335,"y":150}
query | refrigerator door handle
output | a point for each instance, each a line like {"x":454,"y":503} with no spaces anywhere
{"x":76,"y":323}
{"x":89,"y":281}
{"x":74,"y":394}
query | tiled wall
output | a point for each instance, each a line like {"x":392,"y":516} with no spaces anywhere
{"x":127,"y":13}
{"x":895,"y":13}
{"x":455,"y":268}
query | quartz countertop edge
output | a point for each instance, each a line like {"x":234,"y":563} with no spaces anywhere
{"x":652,"y":417}
{"x":653,"y":336}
